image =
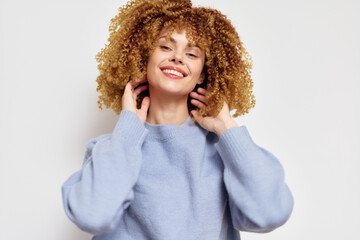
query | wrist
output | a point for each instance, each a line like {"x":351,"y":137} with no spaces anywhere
{"x":224,"y":126}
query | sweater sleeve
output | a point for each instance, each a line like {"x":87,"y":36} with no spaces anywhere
{"x":96,"y":196}
{"x":259,"y":199}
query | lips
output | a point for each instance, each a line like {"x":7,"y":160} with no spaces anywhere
{"x":173,"y":71}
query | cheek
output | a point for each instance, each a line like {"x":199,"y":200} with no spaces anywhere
{"x":154,"y":61}
{"x":198,"y":68}
{"x":150,"y":62}
{"x":151,"y":65}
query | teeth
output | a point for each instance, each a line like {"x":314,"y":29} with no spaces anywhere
{"x":173,"y":72}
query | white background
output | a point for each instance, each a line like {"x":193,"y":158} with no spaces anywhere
{"x":307,"y":77}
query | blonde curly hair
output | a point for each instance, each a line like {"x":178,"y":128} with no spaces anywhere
{"x":134,"y":32}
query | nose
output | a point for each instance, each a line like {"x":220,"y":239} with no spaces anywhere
{"x":176,"y":58}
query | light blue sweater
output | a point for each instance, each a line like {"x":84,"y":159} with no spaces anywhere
{"x":165,"y":182}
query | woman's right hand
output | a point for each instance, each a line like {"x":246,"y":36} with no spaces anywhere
{"x":129,"y":99}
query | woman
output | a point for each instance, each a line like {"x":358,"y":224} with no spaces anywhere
{"x":160,"y":175}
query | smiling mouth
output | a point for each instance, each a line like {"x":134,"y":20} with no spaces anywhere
{"x":173,"y":72}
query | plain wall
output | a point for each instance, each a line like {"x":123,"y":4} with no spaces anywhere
{"x":306,"y":75}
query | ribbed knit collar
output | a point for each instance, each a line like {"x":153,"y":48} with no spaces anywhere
{"x":164,"y":132}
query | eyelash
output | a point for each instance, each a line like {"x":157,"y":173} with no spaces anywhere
{"x":168,"y":49}
{"x":192,"y":55}
{"x":165,"y":48}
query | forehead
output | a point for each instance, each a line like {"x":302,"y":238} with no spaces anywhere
{"x":167,"y":34}
{"x":182,"y":34}
{"x":177,"y":37}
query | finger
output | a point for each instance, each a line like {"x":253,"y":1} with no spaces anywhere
{"x":202,"y":91}
{"x":199,"y":97}
{"x":196,"y":115}
{"x":145,"y":104}
{"x":138,"y":81}
{"x":138,"y":90}
{"x":128,"y":88}
{"x":197,"y":103}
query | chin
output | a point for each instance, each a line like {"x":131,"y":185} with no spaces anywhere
{"x":172,"y":91}
{"x":170,"y":88}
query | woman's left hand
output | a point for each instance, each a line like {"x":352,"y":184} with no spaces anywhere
{"x":217,"y":124}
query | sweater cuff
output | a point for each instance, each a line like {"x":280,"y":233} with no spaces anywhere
{"x":130,"y":127}
{"x":235,"y":142}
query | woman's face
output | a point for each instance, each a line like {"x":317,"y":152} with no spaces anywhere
{"x":175,"y":66}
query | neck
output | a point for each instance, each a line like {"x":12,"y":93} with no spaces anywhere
{"x":167,"y":110}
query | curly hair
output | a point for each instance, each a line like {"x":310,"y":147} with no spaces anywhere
{"x":134,"y":32}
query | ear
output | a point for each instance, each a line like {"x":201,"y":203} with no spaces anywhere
{"x":201,"y":78}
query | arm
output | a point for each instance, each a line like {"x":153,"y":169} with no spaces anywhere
{"x":259,"y":199}
{"x":95,"y":197}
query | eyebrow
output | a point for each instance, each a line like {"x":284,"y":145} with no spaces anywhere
{"x":174,"y":41}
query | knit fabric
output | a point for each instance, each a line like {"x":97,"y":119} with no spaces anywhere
{"x":166,"y":182}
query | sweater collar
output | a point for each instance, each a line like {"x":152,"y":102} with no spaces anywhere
{"x":163,"y":132}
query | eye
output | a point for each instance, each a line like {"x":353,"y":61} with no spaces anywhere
{"x":164,"y":47}
{"x":192,"y":55}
